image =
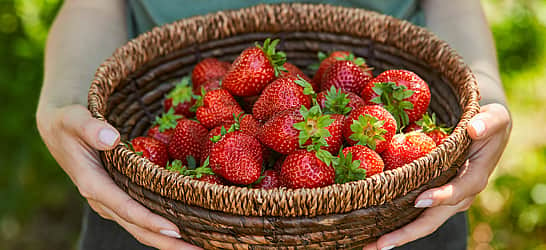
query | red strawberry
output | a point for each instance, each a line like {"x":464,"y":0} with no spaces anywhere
{"x":282,"y":94}
{"x":372,"y":126}
{"x":279,"y":133}
{"x":369,"y":159}
{"x":152,"y":149}
{"x":218,"y":108}
{"x":180,"y":98}
{"x":350,"y":74}
{"x":428,"y":125}
{"x":207,"y":86}
{"x":237,"y":157}
{"x":187,"y":140}
{"x":326,"y":61}
{"x":164,"y":125}
{"x":255,"y":68}
{"x":206,"y":70}
{"x":202,"y":173}
{"x":270,"y":180}
{"x":405,"y":148}
{"x":336,"y":101}
{"x":293,"y":70}
{"x":303,"y":169}
{"x":401,"y":92}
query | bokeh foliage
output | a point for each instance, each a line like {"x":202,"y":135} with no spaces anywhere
{"x":40,"y":205}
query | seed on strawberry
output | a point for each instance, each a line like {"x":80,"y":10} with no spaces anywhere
{"x":405,"y":148}
{"x":255,"y":68}
{"x":401,"y":92}
{"x":207,"y":70}
{"x":337,"y":101}
{"x":350,"y":74}
{"x":187,"y":140}
{"x":270,"y":180}
{"x":279,"y":133}
{"x":372,"y":126}
{"x":326,"y":61}
{"x":237,"y":157}
{"x":207,"y":86}
{"x":282,"y":94}
{"x":218,"y":108}
{"x":356,"y":163}
{"x":303,"y":169}
{"x":150,"y":148}
{"x":180,"y":98}
{"x":163,"y":126}
{"x":430,"y":127}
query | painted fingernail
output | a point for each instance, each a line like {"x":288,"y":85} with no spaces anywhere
{"x":170,"y":233}
{"x":108,"y":137}
{"x":423,"y":203}
{"x":388,"y":248}
{"x":479,"y":127}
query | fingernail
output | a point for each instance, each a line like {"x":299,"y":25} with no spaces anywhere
{"x":108,"y":137}
{"x":170,"y":233}
{"x":388,"y":248}
{"x":423,"y":203}
{"x":479,"y":127}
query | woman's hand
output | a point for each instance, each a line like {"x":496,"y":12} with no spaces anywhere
{"x":73,"y":138}
{"x":490,"y":130}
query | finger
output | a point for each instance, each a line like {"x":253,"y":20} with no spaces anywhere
{"x":98,"y":134}
{"x":147,"y":237}
{"x":428,"y":222}
{"x":491,"y":119}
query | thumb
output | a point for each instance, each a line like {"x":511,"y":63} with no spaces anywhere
{"x":98,"y":134}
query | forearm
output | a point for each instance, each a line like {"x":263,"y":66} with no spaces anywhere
{"x":83,"y":35}
{"x":463,"y":25}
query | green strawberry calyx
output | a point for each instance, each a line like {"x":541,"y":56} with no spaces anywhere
{"x":234,"y":127}
{"x":191,"y":170}
{"x":182,"y":92}
{"x":130,"y":146}
{"x":167,"y":120}
{"x":307,"y":88}
{"x":198,"y":100}
{"x":348,"y":170}
{"x":367,"y":130}
{"x":336,"y":102}
{"x":313,"y":129}
{"x":392,"y":97}
{"x":429,"y":124}
{"x":321,"y":56}
{"x":276,"y":58}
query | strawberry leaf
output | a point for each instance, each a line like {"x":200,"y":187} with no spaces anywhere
{"x":324,"y":156}
{"x":276,"y":58}
{"x":307,"y":88}
{"x":392,"y":97}
{"x":182,"y":92}
{"x":336,"y":102}
{"x":367,"y":130}
{"x":167,"y":120}
{"x":348,"y":170}
{"x":198,"y":100}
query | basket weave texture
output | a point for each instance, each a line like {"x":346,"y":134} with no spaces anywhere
{"x":129,"y":87}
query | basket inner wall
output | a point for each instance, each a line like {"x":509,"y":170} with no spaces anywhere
{"x":137,"y":100}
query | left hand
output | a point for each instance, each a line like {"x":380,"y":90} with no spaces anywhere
{"x":489,"y":130}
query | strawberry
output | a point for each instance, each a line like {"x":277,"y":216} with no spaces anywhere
{"x":150,"y":148}
{"x":187,"y":140}
{"x":303,"y":169}
{"x":254,"y":68}
{"x":326,"y":61}
{"x":180,"y":98}
{"x":164,"y":126}
{"x":317,"y":125}
{"x":279,"y":133}
{"x":207,"y":86}
{"x":282,"y":94}
{"x":405,"y":148}
{"x":368,"y":160}
{"x":337,"y":101}
{"x":206,"y":70}
{"x":372,"y":126}
{"x":293,"y":70}
{"x":430,"y":127}
{"x":401,"y":92}
{"x":218,"y":108}
{"x":202,"y":173}
{"x":350,"y":74}
{"x":237,"y":157}
{"x":270,"y":180}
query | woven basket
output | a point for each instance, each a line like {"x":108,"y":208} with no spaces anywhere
{"x":129,"y":87}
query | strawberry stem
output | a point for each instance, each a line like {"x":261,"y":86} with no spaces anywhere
{"x":276,"y":58}
{"x":348,"y":170}
{"x":367,"y":130}
{"x":392,"y":98}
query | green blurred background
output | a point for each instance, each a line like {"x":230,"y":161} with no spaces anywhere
{"x":41,"y":209}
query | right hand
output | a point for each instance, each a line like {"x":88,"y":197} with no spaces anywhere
{"x":73,"y":138}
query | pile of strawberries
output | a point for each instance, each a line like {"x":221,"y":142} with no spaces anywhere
{"x":261,"y":122}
